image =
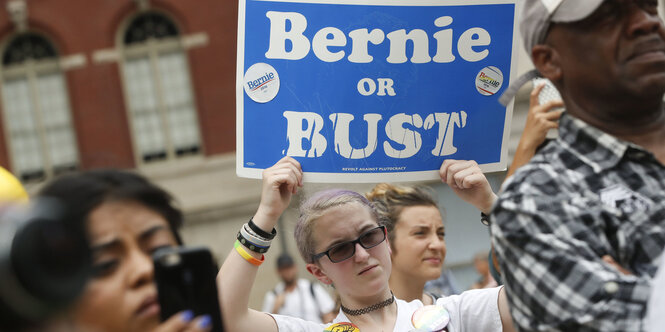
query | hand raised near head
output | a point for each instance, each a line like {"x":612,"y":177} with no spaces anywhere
{"x":468,"y":182}
{"x":540,"y":119}
{"x":280,"y":182}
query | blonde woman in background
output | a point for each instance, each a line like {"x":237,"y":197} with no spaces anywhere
{"x":416,"y":231}
{"x":416,"y":234}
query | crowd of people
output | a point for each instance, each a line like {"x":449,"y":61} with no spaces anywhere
{"x":577,"y":228}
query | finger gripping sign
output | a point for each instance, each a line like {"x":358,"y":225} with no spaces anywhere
{"x":373,"y":90}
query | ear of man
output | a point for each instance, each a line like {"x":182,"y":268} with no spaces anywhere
{"x":318,"y":273}
{"x":547,"y":61}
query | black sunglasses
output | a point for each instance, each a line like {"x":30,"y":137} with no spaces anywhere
{"x":345,"y":250}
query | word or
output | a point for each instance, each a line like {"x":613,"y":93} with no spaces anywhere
{"x":367,"y":87}
{"x":331,"y":37}
{"x":304,"y":129}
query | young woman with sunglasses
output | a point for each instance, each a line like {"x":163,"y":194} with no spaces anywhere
{"x":339,"y":236}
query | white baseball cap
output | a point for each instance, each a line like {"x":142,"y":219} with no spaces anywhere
{"x":537,"y":16}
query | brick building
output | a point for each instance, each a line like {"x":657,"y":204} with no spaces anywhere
{"x":137,"y":84}
{"x":90,"y":84}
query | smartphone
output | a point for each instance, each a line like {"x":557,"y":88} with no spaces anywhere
{"x":185,"y":278}
{"x":548,"y":93}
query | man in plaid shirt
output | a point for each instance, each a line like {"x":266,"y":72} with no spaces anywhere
{"x":580,"y":228}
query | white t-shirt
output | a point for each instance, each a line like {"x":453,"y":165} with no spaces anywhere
{"x":300,"y":303}
{"x":472,"y":311}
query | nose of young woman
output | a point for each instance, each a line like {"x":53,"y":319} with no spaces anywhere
{"x":361,"y":254}
{"x":436,"y":242}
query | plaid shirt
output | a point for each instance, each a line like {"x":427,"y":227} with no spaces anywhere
{"x":585,"y":195}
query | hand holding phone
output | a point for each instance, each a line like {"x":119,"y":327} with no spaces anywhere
{"x":185,"y":278}
{"x":549,"y":91}
{"x":547,"y":109}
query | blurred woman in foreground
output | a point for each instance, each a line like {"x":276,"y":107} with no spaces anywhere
{"x":127,"y":218}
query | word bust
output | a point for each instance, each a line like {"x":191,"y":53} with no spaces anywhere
{"x":304,"y":129}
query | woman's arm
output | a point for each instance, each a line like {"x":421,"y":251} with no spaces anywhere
{"x":504,"y":312}
{"x":237,"y":275}
{"x":468,"y":182}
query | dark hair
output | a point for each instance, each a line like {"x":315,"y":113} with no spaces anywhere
{"x":285,"y":260}
{"x":80,"y":193}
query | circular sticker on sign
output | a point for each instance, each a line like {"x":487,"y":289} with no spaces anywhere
{"x":342,"y":327}
{"x":261,"y":82}
{"x":489,"y":80}
{"x":431,"y":318}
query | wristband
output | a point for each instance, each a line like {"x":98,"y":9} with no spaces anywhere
{"x":251,"y":245}
{"x":261,"y":232}
{"x":247,"y":256}
{"x":255,"y":238}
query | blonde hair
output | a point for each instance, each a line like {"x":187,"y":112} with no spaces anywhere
{"x":315,"y":207}
{"x":389,"y":201}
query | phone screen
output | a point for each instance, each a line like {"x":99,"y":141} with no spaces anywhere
{"x":185,"y":280}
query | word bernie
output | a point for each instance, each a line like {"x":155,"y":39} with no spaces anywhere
{"x":331,"y":37}
{"x":261,"y":81}
{"x":304,"y":129}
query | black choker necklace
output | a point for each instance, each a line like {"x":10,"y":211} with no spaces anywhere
{"x":371,"y":308}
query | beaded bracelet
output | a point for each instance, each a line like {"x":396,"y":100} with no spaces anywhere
{"x":238,"y":247}
{"x":250,"y":245}
{"x":253,"y":237}
{"x":261,"y":232}
{"x":485,"y":219}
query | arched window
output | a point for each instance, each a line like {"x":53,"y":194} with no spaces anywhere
{"x":158,"y":89}
{"x":36,"y":109}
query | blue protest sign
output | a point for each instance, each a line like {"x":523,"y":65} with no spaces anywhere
{"x":367,"y":91}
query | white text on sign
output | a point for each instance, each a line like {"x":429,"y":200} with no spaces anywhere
{"x":367,"y":87}
{"x":331,"y":37}
{"x":304,"y":129}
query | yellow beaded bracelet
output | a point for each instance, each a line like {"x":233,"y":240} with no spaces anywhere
{"x":246,"y":255}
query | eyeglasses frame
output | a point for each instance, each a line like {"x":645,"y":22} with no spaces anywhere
{"x":353,"y":242}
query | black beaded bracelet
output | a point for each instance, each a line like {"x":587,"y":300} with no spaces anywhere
{"x":251,"y":246}
{"x":261,"y":232}
{"x":484,"y":219}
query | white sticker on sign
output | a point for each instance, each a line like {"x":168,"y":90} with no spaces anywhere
{"x":489,"y":80}
{"x":261,"y":82}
